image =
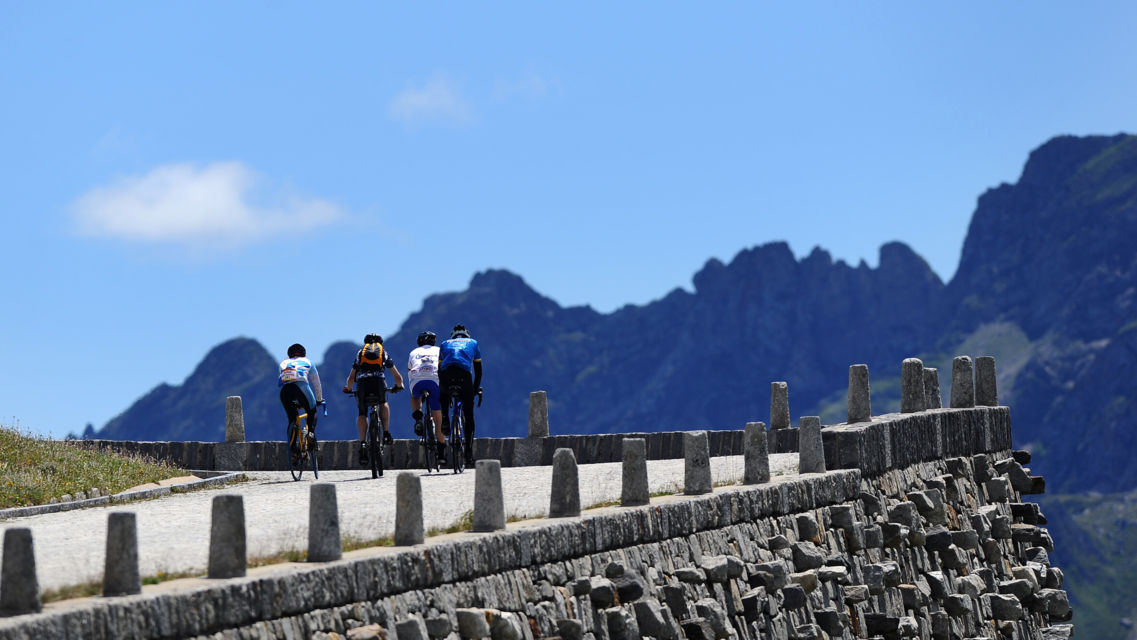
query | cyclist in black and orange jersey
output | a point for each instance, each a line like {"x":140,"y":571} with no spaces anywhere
{"x":367,"y":372}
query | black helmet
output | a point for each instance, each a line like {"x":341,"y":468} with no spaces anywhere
{"x":297,"y":351}
{"x":459,"y":331}
{"x":372,"y":337}
{"x":426,"y":337}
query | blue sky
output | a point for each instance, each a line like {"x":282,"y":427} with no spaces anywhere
{"x":177,"y":174}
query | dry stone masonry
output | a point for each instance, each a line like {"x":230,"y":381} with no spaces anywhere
{"x":918,"y":530}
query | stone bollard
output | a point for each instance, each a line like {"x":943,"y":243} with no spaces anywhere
{"x":912,"y":386}
{"x":811,"y":448}
{"x":986,"y":393}
{"x":324,"y":542}
{"x":697,"y":467}
{"x":489,"y":502}
{"x":564,"y":498}
{"x":120,"y":572}
{"x":538,"y":414}
{"x":860,"y":409}
{"x":227,"y":538}
{"x":408,"y":510}
{"x":19,"y":588}
{"x":932,"y":398}
{"x":962,"y":383}
{"x":756,"y":455}
{"x":234,"y":420}
{"x":779,"y":405}
{"x":634,"y":491}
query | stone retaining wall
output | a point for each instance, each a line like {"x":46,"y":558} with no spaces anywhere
{"x":930,"y":540}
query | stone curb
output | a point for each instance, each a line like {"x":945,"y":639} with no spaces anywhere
{"x":210,"y":479}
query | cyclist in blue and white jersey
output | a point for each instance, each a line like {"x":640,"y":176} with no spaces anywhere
{"x":300,"y":381}
{"x":422,"y":372}
{"x":459,"y":359}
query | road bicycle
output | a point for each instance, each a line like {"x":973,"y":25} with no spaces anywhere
{"x":426,"y":437}
{"x":376,"y":451}
{"x":301,"y":443}
{"x":458,"y":428}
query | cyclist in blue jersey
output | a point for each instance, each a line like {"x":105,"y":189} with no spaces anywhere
{"x":300,"y":382}
{"x":460,"y":359}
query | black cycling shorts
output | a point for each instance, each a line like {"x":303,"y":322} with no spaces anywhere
{"x":369,"y":391}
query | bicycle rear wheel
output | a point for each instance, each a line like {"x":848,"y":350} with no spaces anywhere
{"x":429,"y":444}
{"x":457,"y":448}
{"x":374,"y":444}
{"x":295,"y":461}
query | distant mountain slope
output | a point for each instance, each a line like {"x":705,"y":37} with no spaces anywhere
{"x":1047,"y":282}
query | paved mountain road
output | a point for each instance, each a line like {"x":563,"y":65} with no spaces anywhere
{"x":173,"y":531}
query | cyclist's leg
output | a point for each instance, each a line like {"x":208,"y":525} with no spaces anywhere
{"x":468,"y":417}
{"x":447,"y":377}
{"x":385,"y":418}
{"x":433,"y":404}
{"x":309,"y":403}
{"x":287,"y":393}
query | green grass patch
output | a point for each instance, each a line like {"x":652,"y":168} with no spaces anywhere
{"x":34,"y":469}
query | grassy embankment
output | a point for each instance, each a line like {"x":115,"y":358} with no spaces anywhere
{"x":33,"y":469}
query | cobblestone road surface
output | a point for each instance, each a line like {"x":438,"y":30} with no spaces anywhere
{"x":173,"y":531}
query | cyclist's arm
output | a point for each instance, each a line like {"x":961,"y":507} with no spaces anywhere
{"x":350,"y":380}
{"x":477,"y":374}
{"x":398,"y":376}
{"x":314,"y":380}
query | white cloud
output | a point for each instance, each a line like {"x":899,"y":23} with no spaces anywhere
{"x":189,"y":205}
{"x":437,"y":101}
{"x":530,"y":86}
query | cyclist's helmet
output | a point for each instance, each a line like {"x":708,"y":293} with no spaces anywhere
{"x":426,"y":337}
{"x":459,"y":331}
{"x":372,"y":337}
{"x":297,"y":351}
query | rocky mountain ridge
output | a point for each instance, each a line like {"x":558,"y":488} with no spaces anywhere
{"x":1047,"y":283}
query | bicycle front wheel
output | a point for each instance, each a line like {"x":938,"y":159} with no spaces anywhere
{"x":314,"y":462}
{"x":374,"y":444}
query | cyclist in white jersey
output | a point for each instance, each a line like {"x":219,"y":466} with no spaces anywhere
{"x":422,"y":371}
{"x":300,"y":382}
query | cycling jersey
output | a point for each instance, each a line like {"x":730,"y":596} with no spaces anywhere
{"x":363,"y":371}
{"x":422,"y":365}
{"x":459,"y":352}
{"x":302,"y":373}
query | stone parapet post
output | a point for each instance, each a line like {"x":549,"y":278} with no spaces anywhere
{"x":962,"y":383}
{"x":634,"y":490}
{"x":697,"y":463}
{"x":912,"y":386}
{"x":779,"y":405}
{"x":324,"y":541}
{"x":860,"y":409}
{"x":234,"y":420}
{"x":489,"y":501}
{"x":227,"y":557}
{"x":19,"y":588}
{"x":811,"y":449}
{"x":538,"y":414}
{"x":408,"y":510}
{"x":756,"y":455}
{"x":932,"y":397}
{"x":564,"y":496}
{"x":120,"y":574}
{"x":986,"y":392}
